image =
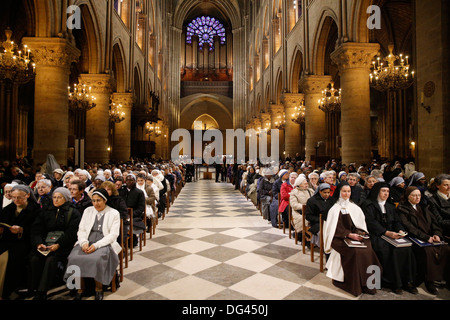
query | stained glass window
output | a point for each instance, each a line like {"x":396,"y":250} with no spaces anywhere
{"x":205,"y":28}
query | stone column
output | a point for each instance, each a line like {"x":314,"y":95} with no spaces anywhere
{"x":122,"y":132}
{"x":97,"y":119}
{"x":433,"y":88}
{"x":53,"y":57}
{"x":277,"y":115}
{"x":292,"y":133}
{"x":354,"y":61}
{"x":315,"y":126}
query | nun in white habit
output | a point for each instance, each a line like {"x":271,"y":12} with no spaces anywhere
{"x":347,"y":266}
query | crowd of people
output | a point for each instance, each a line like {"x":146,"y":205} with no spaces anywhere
{"x":365,"y":210}
{"x":53,"y":218}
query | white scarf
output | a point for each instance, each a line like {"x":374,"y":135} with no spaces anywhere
{"x":334,"y":266}
{"x":443,"y":196}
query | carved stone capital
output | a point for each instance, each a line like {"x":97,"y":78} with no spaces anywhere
{"x":351,"y":55}
{"x":276,"y":109}
{"x":52,"y":52}
{"x":100,"y":83}
{"x":313,"y":84}
{"x":124,"y":99}
{"x":292,"y":100}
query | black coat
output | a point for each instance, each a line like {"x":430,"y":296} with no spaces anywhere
{"x":56,"y":220}
{"x":377,"y":222}
{"x":410,"y":220}
{"x":18,"y":247}
{"x":396,"y":194}
{"x":441,"y":210}
{"x":399,"y":264}
{"x":315,"y":206}
{"x":135,"y":199}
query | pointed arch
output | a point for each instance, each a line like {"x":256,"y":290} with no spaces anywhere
{"x":327,"y":21}
{"x":296,"y":69}
{"x":119,"y":66}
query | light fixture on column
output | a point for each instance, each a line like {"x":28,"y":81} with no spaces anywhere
{"x":391,"y":73}
{"x":116,"y":114}
{"x":16,"y":67}
{"x":331,"y":99}
{"x":81,"y":98}
{"x":280,"y":124}
{"x":300,"y":112}
{"x":153,"y":129}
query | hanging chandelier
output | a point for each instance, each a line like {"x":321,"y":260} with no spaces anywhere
{"x":331,"y":99}
{"x":300,"y":112}
{"x":391,"y":73}
{"x":151,"y":130}
{"x":81,"y":99}
{"x":115,"y":113}
{"x":16,"y":67}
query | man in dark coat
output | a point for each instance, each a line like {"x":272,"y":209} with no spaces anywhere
{"x":135,"y":199}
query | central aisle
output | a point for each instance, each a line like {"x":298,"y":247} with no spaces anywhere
{"x":215,"y":245}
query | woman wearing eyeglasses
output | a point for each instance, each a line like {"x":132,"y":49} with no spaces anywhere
{"x":433,"y":262}
{"x":17,"y":219}
{"x":53,"y":235}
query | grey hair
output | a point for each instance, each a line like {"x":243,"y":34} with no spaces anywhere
{"x":48,"y":182}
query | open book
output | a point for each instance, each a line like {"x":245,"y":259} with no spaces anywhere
{"x":354,"y":244}
{"x":5,"y":225}
{"x":427,"y":244}
{"x":402,"y":242}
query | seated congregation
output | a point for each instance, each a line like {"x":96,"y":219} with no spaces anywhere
{"x":375,"y":218}
{"x":67,"y":223}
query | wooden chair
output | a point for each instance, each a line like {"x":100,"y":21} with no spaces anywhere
{"x":321,"y":249}
{"x":291,"y":223}
{"x":306,"y":234}
{"x":142,"y":235}
{"x":121,"y":254}
{"x":129,"y":241}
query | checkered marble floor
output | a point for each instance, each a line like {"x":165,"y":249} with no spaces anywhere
{"x":215,"y":245}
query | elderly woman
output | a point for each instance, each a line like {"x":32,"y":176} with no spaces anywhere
{"x":347,"y":266}
{"x":96,"y":251}
{"x":433,"y":261}
{"x":298,"y":197}
{"x":16,"y":220}
{"x":44,"y":193}
{"x":285,"y":192}
{"x":399,"y":264}
{"x":439,"y":203}
{"x":313,"y":182}
{"x":53,"y":235}
{"x":67,"y":177}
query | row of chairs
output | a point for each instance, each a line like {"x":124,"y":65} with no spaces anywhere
{"x":126,"y":255}
{"x":306,"y":235}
